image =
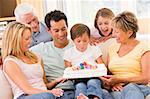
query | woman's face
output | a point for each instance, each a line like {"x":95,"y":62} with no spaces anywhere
{"x":104,"y":25}
{"x":120,"y":35}
{"x":82,"y":42}
{"x":26,"y":40}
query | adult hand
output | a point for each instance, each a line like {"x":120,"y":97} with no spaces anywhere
{"x":103,"y":39}
{"x":57,"y":92}
{"x":110,"y":80}
{"x":61,"y":79}
{"x":117,"y":87}
{"x":94,"y":41}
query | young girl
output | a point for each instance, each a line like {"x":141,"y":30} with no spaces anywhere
{"x":102,"y":24}
{"x":82,"y":51}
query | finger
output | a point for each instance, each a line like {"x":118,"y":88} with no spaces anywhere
{"x":107,"y":76}
{"x":63,"y":80}
{"x":115,"y":89}
{"x":120,"y":88}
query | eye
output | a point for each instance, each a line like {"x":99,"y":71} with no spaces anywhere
{"x":28,"y":38}
{"x":63,"y":29}
{"x":56,"y":30}
{"x":85,"y":41}
{"x":29,"y":23}
{"x":34,"y":19}
{"x":99,"y":23}
{"x":106,"y":23}
{"x":78,"y":41}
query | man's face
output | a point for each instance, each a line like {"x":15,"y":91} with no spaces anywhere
{"x":32,"y":20}
{"x":59,"y":32}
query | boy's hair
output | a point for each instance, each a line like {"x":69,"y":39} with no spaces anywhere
{"x":56,"y":16}
{"x":78,"y":30}
{"x":105,"y":13}
{"x":126,"y":21}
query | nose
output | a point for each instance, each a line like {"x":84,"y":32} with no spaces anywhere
{"x":34,"y":24}
{"x":29,"y":41}
{"x":103,"y":26}
{"x":61,"y":33}
{"x":82,"y":44}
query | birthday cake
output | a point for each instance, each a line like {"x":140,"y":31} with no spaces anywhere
{"x":85,"y":70}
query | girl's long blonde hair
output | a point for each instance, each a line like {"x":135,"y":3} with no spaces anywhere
{"x":11,"y":41}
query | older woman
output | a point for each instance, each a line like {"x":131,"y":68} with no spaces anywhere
{"x":128,"y":60}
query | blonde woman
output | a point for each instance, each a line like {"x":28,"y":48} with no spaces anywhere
{"x":22,"y":68}
{"x":128,"y":60}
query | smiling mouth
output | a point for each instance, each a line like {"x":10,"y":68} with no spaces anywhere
{"x":62,"y":38}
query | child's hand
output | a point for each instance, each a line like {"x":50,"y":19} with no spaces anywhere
{"x":74,"y":68}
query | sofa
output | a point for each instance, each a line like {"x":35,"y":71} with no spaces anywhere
{"x":5,"y":89}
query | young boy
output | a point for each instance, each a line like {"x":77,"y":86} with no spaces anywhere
{"x":82,"y":51}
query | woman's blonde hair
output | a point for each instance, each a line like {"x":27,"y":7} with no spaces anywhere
{"x":11,"y":41}
{"x":126,"y":21}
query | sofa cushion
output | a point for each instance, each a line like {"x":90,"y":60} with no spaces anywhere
{"x":5,"y":89}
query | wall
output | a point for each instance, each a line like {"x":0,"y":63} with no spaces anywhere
{"x":38,"y":5}
{"x":7,"y":8}
{"x":144,"y":25}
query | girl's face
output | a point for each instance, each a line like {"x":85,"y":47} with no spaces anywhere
{"x":120,"y":35}
{"x":104,"y":25}
{"x":26,"y":40}
{"x":82,"y":42}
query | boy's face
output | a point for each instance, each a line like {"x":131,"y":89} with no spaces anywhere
{"x":82,"y":42}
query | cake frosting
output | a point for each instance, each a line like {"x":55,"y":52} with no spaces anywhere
{"x":85,"y":70}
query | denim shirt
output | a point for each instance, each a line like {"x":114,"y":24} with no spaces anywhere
{"x":41,"y":36}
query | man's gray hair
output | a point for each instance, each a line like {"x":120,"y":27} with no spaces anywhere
{"x":22,"y":9}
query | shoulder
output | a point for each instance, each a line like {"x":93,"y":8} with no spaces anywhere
{"x":93,"y":48}
{"x":70,"y":44}
{"x":144,"y":44}
{"x":70,"y":50}
{"x":12,"y":58}
{"x":143,"y":47}
{"x":42,"y":25}
{"x":38,"y":47}
{"x":10,"y":61}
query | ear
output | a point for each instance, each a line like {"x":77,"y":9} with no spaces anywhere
{"x":129,"y":33}
{"x":49,"y":30}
